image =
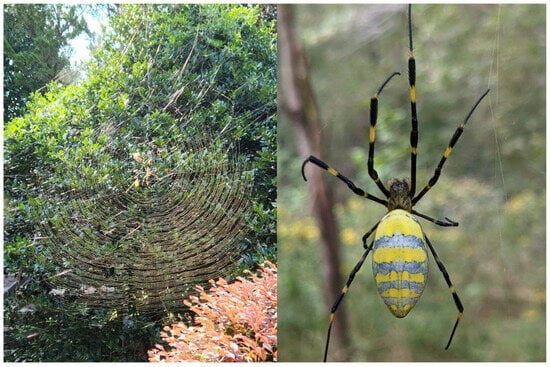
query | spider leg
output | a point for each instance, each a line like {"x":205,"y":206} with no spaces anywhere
{"x":367,"y":235}
{"x":448,"y":151}
{"x":372,"y":135}
{"x":348,"y":283}
{"x":414,"y":119}
{"x":456,"y":299}
{"x":446,"y":223}
{"x":351,"y":185}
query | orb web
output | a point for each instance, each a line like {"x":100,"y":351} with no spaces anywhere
{"x":137,"y":222}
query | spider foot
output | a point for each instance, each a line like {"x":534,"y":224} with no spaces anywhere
{"x":450,"y":223}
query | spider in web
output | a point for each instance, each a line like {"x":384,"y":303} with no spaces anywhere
{"x":399,"y":246}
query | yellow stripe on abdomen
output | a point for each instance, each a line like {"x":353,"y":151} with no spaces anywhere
{"x":404,"y":275}
{"x":399,"y":221}
{"x":400,"y":293}
{"x":388,"y":254}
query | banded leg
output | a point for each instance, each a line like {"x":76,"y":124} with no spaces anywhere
{"x":414,"y":119}
{"x":446,"y":223}
{"x":448,"y":151}
{"x":344,"y":291}
{"x":372,"y":135}
{"x":351,"y":185}
{"x":458,"y":304}
{"x":367,"y":235}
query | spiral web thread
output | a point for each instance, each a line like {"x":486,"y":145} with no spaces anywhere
{"x":143,"y":247}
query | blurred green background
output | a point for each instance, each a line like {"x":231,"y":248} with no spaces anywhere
{"x":493,"y":183}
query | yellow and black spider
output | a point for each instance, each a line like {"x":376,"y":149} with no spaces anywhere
{"x":400,"y":256}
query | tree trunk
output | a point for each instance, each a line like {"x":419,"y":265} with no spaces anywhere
{"x":297,"y":101}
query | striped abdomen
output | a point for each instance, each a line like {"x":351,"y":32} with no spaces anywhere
{"x":400,"y":261}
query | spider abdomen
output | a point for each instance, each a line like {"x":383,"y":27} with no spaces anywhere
{"x":400,"y":261}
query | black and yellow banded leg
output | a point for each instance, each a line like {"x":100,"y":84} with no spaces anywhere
{"x":344,"y":291}
{"x":414,"y":119}
{"x":367,"y":235}
{"x":456,"y":299}
{"x":448,"y":151}
{"x":446,"y":223}
{"x":372,"y":135}
{"x":351,"y":185}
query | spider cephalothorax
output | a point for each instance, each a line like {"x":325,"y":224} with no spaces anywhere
{"x":399,"y":197}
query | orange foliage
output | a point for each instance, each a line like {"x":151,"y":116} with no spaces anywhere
{"x":236,"y":322}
